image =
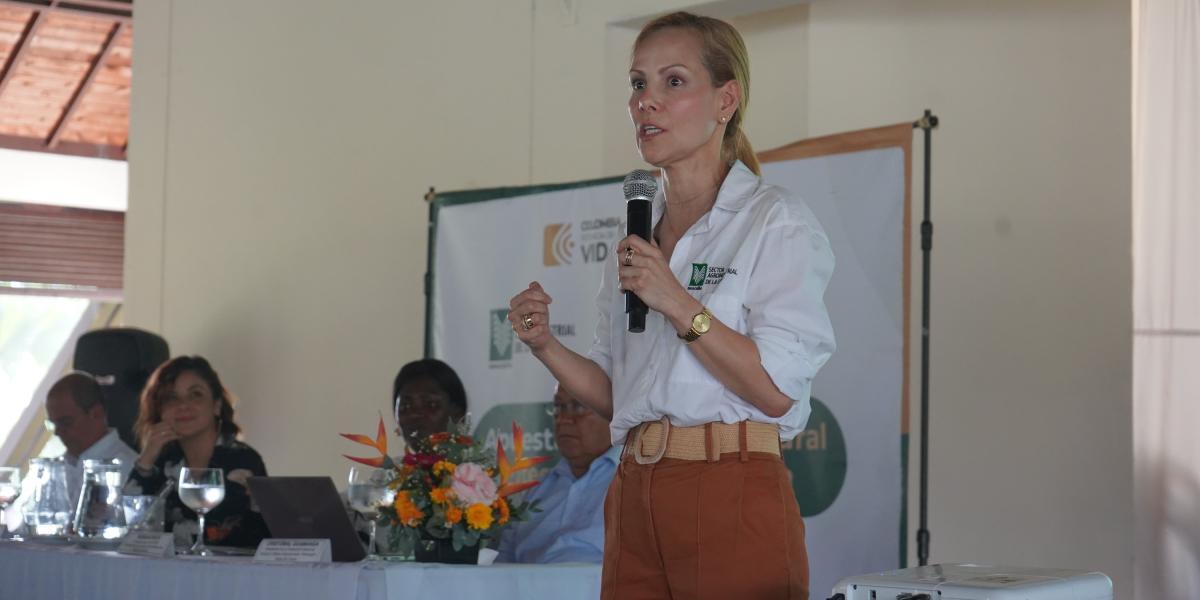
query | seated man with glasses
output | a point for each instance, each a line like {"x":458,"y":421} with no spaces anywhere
{"x":570,"y":526}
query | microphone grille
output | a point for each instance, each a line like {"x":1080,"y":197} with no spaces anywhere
{"x":640,"y":184}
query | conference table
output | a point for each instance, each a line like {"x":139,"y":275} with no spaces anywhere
{"x":37,"y":571}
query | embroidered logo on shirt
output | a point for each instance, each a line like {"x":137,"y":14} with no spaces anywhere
{"x":703,"y":275}
{"x":699,"y":273}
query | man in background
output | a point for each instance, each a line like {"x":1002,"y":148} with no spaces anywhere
{"x":75,"y":409}
{"x":570,"y":526}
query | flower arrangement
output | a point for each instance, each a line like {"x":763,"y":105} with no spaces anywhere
{"x":450,"y":487}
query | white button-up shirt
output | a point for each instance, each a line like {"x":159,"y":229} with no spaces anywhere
{"x":760,"y":262}
{"x":106,"y":448}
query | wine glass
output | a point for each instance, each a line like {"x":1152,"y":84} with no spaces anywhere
{"x":201,"y":490}
{"x":368,"y":490}
{"x":10,"y":488}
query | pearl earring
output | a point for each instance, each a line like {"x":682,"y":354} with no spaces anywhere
{"x":722,"y":119}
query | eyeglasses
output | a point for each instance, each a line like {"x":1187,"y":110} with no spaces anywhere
{"x":571,"y":409}
{"x":420,"y":403}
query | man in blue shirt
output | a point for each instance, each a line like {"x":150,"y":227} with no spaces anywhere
{"x":570,"y":526}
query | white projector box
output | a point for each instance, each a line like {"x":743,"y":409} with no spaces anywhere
{"x":977,"y":582}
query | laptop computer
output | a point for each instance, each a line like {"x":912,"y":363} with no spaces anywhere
{"x":307,"y":508}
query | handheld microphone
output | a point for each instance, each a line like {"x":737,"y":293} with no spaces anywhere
{"x":640,"y":188}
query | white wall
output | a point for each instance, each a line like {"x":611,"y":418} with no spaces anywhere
{"x":276,"y":222}
{"x":1031,"y":328}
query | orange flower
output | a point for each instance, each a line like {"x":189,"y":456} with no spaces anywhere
{"x":501,"y":507}
{"x":439,"y":438}
{"x":479,"y":516}
{"x":520,"y":462}
{"x":379,"y":443}
{"x":440,"y":495}
{"x":444,"y":466}
{"x":406,"y":511}
{"x":453,"y":515}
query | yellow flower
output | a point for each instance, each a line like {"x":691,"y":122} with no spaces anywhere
{"x":407,"y":512}
{"x":453,"y":515}
{"x":443,"y":466}
{"x":440,"y":495}
{"x":479,"y":516}
{"x":501,"y":507}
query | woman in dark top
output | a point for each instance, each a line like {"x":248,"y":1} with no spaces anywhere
{"x":186,"y":420}
{"x":427,"y":398}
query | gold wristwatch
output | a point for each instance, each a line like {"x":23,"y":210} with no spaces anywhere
{"x":701,"y":322}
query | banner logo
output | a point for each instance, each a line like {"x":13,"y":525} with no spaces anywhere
{"x":557,"y":244}
{"x":535,"y":419}
{"x":699,"y":272}
{"x":817,"y":460}
{"x":501,"y":346}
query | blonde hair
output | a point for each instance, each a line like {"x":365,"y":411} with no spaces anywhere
{"x":725,"y":57}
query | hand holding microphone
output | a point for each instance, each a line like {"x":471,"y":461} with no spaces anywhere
{"x":644,"y":273}
{"x":640,"y":188}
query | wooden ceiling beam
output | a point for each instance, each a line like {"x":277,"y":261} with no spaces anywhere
{"x":113,"y":5}
{"x":107,"y":47}
{"x":29,"y":144}
{"x":14,"y":57}
{"x":77,"y":9}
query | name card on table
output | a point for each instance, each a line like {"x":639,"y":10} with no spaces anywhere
{"x":282,"y":550}
{"x":148,"y":543}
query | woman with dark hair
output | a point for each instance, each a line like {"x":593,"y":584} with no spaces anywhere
{"x":186,"y":420}
{"x":427,"y":397}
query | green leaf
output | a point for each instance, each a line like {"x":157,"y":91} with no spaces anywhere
{"x":458,"y":539}
{"x":471,"y":538}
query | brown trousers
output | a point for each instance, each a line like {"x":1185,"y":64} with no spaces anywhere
{"x":684,"y":529}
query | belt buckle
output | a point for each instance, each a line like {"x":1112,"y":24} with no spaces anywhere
{"x":662,"y":447}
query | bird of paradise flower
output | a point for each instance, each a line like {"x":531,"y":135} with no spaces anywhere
{"x":506,"y":468}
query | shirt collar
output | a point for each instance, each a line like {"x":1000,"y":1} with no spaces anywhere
{"x":563,"y":468}
{"x":99,"y":448}
{"x":739,"y":185}
{"x":737,"y":189}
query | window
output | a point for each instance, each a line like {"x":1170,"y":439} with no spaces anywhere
{"x":37,"y":339}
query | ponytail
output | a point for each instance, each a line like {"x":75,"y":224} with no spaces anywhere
{"x":736,"y":146}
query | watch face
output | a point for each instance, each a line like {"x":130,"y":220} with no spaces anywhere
{"x":701,"y":323}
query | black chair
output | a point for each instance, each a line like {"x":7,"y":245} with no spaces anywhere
{"x":121,"y":359}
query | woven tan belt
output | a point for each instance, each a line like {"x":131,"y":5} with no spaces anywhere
{"x":701,"y":442}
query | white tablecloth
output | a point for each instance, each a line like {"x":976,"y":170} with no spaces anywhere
{"x":35,"y":571}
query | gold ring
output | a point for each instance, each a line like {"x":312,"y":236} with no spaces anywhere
{"x":629,"y":256}
{"x":527,"y":321}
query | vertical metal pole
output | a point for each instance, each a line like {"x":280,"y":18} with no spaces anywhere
{"x":927,"y":123}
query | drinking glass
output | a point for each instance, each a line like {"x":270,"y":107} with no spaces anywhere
{"x":10,"y":488}
{"x":201,"y":490}
{"x":367,"y":491}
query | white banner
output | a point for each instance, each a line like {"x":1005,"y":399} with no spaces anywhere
{"x":847,"y":465}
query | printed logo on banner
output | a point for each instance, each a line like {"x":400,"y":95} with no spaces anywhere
{"x":817,"y":460}
{"x":596,"y":239}
{"x":501,"y":346}
{"x":535,"y":418}
{"x":557,"y":244}
{"x":560,"y":330}
{"x":699,"y":272}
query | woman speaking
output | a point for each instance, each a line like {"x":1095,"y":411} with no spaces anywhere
{"x":735,"y":275}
